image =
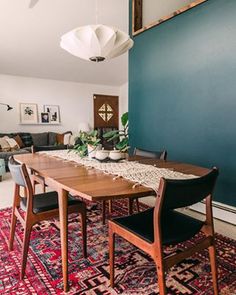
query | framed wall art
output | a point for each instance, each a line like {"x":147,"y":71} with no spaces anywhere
{"x":149,"y":13}
{"x":45,"y":118}
{"x":28,"y":113}
{"x":54,"y":113}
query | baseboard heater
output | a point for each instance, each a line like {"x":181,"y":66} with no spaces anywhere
{"x":220,"y":211}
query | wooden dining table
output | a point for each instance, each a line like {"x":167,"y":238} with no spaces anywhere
{"x":90,"y":184}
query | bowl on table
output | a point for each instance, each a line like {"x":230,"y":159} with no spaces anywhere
{"x":115,"y":155}
{"x":102,"y":155}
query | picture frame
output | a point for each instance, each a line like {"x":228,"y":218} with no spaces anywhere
{"x":28,"y":113}
{"x":45,"y":119}
{"x":142,"y":9}
{"x":54,"y":113}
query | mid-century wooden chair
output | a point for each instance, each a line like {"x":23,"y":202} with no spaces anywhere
{"x":35,"y":178}
{"x":162,"y":155}
{"x":161,"y":226}
{"x":37,"y":208}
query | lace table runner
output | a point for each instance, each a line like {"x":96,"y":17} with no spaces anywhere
{"x":146,"y":175}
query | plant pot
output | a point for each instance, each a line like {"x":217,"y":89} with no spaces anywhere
{"x":92,"y":150}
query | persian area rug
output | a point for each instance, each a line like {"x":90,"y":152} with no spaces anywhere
{"x":135,"y":271}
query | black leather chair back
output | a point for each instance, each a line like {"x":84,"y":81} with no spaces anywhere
{"x":150,"y":154}
{"x":183,"y":193}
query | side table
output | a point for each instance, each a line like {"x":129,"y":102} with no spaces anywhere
{"x":2,"y":168}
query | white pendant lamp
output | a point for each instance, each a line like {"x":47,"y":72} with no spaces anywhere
{"x":96,"y":42}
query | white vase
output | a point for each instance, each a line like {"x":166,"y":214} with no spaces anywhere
{"x":92,"y":151}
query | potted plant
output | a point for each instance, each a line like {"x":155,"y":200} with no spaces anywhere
{"x":88,"y":144}
{"x":123,"y":134}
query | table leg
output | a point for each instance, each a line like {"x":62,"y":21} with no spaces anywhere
{"x":63,"y":215}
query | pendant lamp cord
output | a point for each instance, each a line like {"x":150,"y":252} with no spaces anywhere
{"x":96,"y":9}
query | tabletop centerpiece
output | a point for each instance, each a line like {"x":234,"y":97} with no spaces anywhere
{"x":88,"y":143}
{"x":122,"y":135}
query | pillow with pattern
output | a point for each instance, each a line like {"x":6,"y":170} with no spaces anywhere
{"x":12,"y":143}
{"x":4,"y":145}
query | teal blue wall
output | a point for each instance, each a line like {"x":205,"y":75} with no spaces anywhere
{"x":182,"y":90}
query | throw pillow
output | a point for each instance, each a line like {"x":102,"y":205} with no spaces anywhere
{"x":40,"y":139}
{"x":66,"y":138}
{"x":5,"y":147}
{"x":19,"y":141}
{"x":60,"y":138}
{"x":26,"y":138}
{"x":12,"y":143}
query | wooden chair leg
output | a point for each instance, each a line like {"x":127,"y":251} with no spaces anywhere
{"x":25,"y":248}
{"x":112,"y":257}
{"x":103,"y":212}
{"x":12,"y":231}
{"x":212,"y":254}
{"x":161,"y":277}
{"x":137,"y":204}
{"x":110,"y":206}
{"x":84,"y":231}
{"x":130,"y":206}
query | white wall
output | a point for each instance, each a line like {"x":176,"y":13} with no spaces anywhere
{"x":75,"y":101}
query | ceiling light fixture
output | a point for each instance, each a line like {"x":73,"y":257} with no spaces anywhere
{"x":7,"y":105}
{"x":96,"y":42}
{"x":33,"y":3}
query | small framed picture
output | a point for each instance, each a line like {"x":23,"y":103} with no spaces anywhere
{"x":54,"y":113}
{"x":45,"y":118}
{"x":28,"y":113}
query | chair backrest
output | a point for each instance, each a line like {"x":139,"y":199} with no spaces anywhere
{"x":150,"y":154}
{"x":182,"y":193}
{"x":19,"y":174}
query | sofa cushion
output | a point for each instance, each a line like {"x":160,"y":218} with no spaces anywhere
{"x":52,"y":138}
{"x":40,"y":139}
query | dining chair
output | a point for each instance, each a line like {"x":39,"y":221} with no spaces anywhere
{"x":162,"y":155}
{"x":37,"y":208}
{"x":161,"y":226}
{"x":35,"y":178}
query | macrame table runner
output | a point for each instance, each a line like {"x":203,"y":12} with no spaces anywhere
{"x":140,"y":174}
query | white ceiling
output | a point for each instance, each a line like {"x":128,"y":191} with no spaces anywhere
{"x":30,"y":37}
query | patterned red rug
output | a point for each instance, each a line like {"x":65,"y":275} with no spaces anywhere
{"x":135,"y":271}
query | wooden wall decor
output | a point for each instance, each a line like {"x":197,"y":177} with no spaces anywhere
{"x":139,"y":7}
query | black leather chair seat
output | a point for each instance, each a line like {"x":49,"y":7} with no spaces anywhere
{"x":46,"y":201}
{"x":176,"y":227}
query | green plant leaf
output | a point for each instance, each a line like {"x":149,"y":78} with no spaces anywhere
{"x":125,"y":119}
{"x":123,"y":144}
{"x":113,"y":137}
{"x":110,"y":133}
